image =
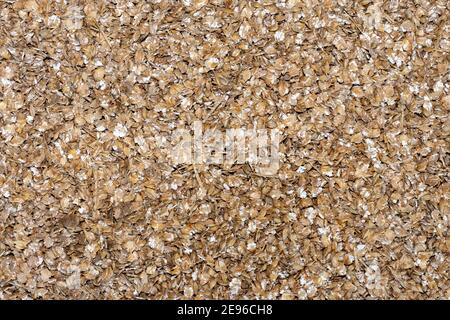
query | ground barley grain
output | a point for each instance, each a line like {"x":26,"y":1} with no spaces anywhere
{"x":91,"y":94}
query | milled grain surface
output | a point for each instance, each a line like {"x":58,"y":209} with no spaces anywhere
{"x":90,"y":206}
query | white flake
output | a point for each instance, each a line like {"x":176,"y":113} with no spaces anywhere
{"x":279,"y":36}
{"x":120,"y":130}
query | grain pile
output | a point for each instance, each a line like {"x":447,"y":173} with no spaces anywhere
{"x":90,"y":206}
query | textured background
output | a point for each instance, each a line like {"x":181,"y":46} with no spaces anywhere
{"x":90,"y":206}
